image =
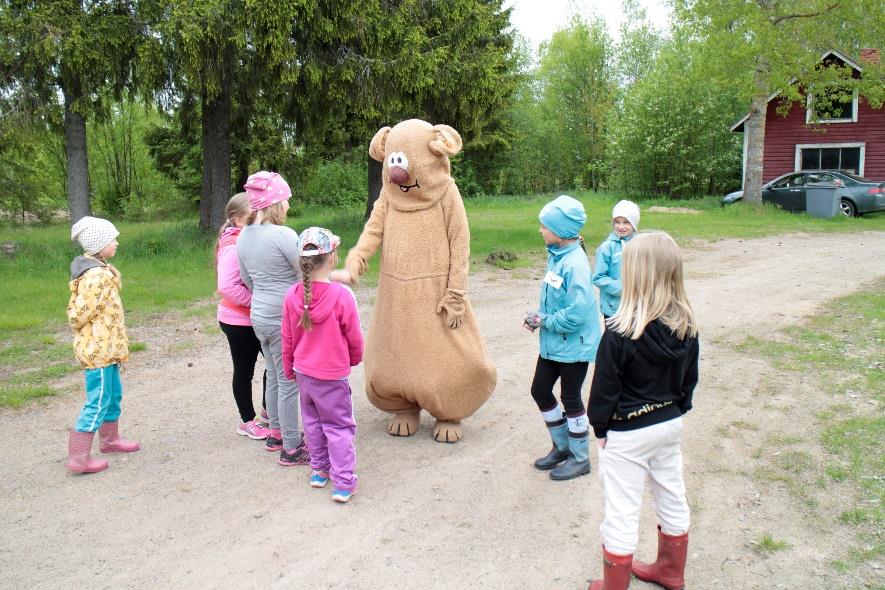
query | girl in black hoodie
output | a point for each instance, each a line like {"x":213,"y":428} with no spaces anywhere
{"x":646,"y":371}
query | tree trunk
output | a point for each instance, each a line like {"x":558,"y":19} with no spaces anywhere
{"x":242,"y":172}
{"x":375,"y":169}
{"x":215,"y":191}
{"x":754,"y":127}
{"x":77,"y":158}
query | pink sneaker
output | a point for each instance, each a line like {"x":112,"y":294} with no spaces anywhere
{"x":253,"y":430}
{"x":262,"y":418}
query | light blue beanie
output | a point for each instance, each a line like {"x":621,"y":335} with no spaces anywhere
{"x":564,"y":216}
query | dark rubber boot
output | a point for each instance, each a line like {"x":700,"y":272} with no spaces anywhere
{"x":559,"y":453}
{"x":615,"y":572}
{"x":578,"y":462}
{"x":669,"y":568}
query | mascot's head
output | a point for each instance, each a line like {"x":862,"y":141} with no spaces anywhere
{"x":415,"y":155}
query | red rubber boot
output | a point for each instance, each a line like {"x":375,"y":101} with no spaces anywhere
{"x":109,"y":440}
{"x":669,"y":569}
{"x":615,"y":572}
{"x":79,"y":459}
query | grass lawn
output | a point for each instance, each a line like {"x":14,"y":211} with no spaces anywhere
{"x":168,"y":266}
{"x":842,"y":346}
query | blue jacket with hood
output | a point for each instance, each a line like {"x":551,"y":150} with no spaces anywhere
{"x":607,"y":272}
{"x":570,"y":329}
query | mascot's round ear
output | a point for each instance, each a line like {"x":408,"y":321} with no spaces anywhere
{"x":376,"y":147}
{"x":446,"y":141}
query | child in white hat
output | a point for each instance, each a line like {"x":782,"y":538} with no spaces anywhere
{"x":95,"y":313}
{"x":607,"y":269}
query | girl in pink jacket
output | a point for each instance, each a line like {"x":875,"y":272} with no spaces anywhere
{"x":321,"y":341}
{"x":233,"y":315}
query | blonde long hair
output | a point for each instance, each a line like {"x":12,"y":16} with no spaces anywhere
{"x":653,"y":287}
{"x":237,"y":206}
{"x":275,"y":214}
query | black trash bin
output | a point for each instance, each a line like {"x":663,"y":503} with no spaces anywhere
{"x":822,"y":199}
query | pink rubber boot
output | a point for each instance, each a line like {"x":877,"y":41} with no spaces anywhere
{"x":109,"y":440}
{"x":79,"y":460}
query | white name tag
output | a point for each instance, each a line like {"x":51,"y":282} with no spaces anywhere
{"x":553,"y":279}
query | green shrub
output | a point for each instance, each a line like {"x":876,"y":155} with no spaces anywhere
{"x":464,"y":173}
{"x":337,"y":183}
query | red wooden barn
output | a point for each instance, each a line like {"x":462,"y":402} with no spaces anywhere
{"x":852,"y":139}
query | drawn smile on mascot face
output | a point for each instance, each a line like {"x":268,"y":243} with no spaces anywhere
{"x":398,"y":171}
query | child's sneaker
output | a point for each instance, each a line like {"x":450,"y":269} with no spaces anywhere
{"x":253,"y":430}
{"x":262,"y":418}
{"x":343,"y":496}
{"x":297,"y":456}
{"x":319,"y":479}
{"x":274,"y":440}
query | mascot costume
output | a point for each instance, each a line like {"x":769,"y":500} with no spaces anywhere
{"x":423,"y":349}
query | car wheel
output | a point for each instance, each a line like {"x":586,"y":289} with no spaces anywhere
{"x":847,"y":208}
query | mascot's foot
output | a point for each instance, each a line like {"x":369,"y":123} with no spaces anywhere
{"x":404,"y":424}
{"x":447,"y":432}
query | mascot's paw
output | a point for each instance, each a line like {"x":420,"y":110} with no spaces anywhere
{"x":453,"y":304}
{"x":404,"y":424}
{"x":447,"y":432}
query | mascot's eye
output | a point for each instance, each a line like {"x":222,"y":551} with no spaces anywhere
{"x":398,"y":159}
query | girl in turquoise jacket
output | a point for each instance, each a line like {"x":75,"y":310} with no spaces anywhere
{"x":607,"y":269}
{"x":569,"y":336}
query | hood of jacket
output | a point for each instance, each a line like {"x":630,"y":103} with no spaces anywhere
{"x":660,"y":345}
{"x":614,"y":237}
{"x":83,"y":263}
{"x":324,"y":297}
{"x":558,"y":252}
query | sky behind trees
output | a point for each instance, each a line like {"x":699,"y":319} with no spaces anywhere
{"x":537,"y":20}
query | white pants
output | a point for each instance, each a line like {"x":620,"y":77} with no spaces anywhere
{"x":629,"y":456}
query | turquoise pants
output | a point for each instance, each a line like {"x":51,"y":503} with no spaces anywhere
{"x":104,"y":390}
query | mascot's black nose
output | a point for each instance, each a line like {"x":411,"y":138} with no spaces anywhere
{"x":398,"y":175}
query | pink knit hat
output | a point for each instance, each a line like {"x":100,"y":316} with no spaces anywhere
{"x":265,"y":189}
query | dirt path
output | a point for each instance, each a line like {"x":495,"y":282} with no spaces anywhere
{"x":201,"y":507}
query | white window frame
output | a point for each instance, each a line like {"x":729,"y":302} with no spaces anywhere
{"x":809,"y":112}
{"x":856,"y":144}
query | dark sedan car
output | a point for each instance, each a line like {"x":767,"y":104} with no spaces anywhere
{"x":858,"y":195}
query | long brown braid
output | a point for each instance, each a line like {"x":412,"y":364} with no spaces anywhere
{"x":308,"y":264}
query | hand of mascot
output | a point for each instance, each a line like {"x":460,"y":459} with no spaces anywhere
{"x":453,"y":303}
{"x":356,"y":266}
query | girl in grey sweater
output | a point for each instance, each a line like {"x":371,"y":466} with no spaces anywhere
{"x":269,"y":265}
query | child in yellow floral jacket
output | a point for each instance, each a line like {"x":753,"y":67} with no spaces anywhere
{"x":95,"y":313}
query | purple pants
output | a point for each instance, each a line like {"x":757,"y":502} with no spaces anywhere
{"x":327,"y":415}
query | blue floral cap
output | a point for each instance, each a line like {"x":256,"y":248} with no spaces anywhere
{"x":317,"y":240}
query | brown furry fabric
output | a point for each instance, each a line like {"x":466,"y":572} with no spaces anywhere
{"x":423,"y":349}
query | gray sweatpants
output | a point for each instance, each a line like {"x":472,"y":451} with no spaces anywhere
{"x":281,"y":394}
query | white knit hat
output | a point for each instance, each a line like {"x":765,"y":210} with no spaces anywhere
{"x":629,"y":211}
{"x":93,"y":233}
